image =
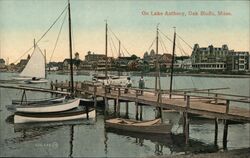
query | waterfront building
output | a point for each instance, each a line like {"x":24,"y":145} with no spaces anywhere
{"x":210,"y":58}
{"x":94,"y":57}
{"x":240,"y":61}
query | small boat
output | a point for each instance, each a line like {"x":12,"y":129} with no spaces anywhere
{"x":150,"y":127}
{"x":49,"y":107}
{"x":111,"y":79}
{"x":74,"y":114}
{"x":36,"y":80}
{"x":36,"y":101}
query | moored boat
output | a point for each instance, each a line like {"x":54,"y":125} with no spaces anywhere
{"x":49,"y":107}
{"x":74,"y":114}
{"x":150,"y":127}
{"x":110,"y":79}
{"x":35,"y":101}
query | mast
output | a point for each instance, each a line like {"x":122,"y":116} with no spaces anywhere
{"x":70,"y":51}
{"x":119,"y":55}
{"x":34,"y":43}
{"x":45,"y":62}
{"x":172,"y":65}
{"x":157,"y":73}
{"x":106,"y":50}
{"x":158,"y":79}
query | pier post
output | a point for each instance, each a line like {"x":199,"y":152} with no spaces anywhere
{"x":68,"y":88}
{"x":51,"y":87}
{"x":227,"y":106}
{"x":126,"y":109}
{"x":141,"y":112}
{"x":56,"y":85}
{"x":61,"y":85}
{"x":216,"y":98}
{"x":115,"y":104}
{"x":188,"y":101}
{"x":186,"y":129}
{"x":185,"y":96}
{"x":95,"y":100}
{"x":216,"y":131}
{"x":136,"y":107}
{"x":118,"y":102}
{"x":106,"y":102}
{"x":225,"y":132}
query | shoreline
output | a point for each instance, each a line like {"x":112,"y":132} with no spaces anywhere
{"x":148,"y":74}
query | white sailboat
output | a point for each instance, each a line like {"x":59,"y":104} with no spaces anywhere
{"x":34,"y":71}
{"x":69,"y":109}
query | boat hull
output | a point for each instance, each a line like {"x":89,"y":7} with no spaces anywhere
{"x":57,"y":107}
{"x":36,"y":81}
{"x":158,"y":128}
{"x":30,"y":102}
{"x":26,"y":118}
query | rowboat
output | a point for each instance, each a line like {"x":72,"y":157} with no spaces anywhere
{"x":49,"y":107}
{"x":150,"y":127}
{"x":74,"y":114}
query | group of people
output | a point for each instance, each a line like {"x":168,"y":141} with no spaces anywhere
{"x":141,"y":84}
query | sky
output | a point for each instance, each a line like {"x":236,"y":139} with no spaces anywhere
{"x":133,"y":22}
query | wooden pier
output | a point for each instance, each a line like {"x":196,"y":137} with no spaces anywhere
{"x":204,"y":102}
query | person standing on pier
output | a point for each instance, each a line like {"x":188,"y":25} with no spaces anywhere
{"x":128,"y":85}
{"x":141,"y":84}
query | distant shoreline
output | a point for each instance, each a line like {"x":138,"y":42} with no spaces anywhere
{"x":163,"y":74}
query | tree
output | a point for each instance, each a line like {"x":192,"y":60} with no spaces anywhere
{"x":133,"y":57}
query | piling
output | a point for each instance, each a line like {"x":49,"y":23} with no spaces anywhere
{"x":126,"y":104}
{"x":141,"y":112}
{"x":225,"y":132}
{"x":216,"y":131}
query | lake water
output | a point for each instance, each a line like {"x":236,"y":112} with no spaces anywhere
{"x":77,"y":139}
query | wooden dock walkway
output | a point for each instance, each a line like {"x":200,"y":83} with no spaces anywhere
{"x":219,"y":105}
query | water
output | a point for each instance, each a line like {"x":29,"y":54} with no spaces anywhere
{"x":76,"y":139}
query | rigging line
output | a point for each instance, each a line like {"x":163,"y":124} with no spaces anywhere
{"x":178,"y":43}
{"x":113,"y":34}
{"x":44,"y":33}
{"x":184,"y":41}
{"x":113,"y":45}
{"x":119,"y":40}
{"x":167,"y":37}
{"x":126,"y":50}
{"x":163,"y":44}
{"x":110,"y":46}
{"x":151,"y":44}
{"x":181,"y":49}
{"x":57,"y":38}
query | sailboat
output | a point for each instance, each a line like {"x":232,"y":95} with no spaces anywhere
{"x":155,"y":126}
{"x":106,"y":79}
{"x":69,"y":109}
{"x":34,"y":71}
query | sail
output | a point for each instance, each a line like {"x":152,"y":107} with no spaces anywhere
{"x":35,"y":66}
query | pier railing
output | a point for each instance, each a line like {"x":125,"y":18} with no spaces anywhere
{"x":187,"y":97}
